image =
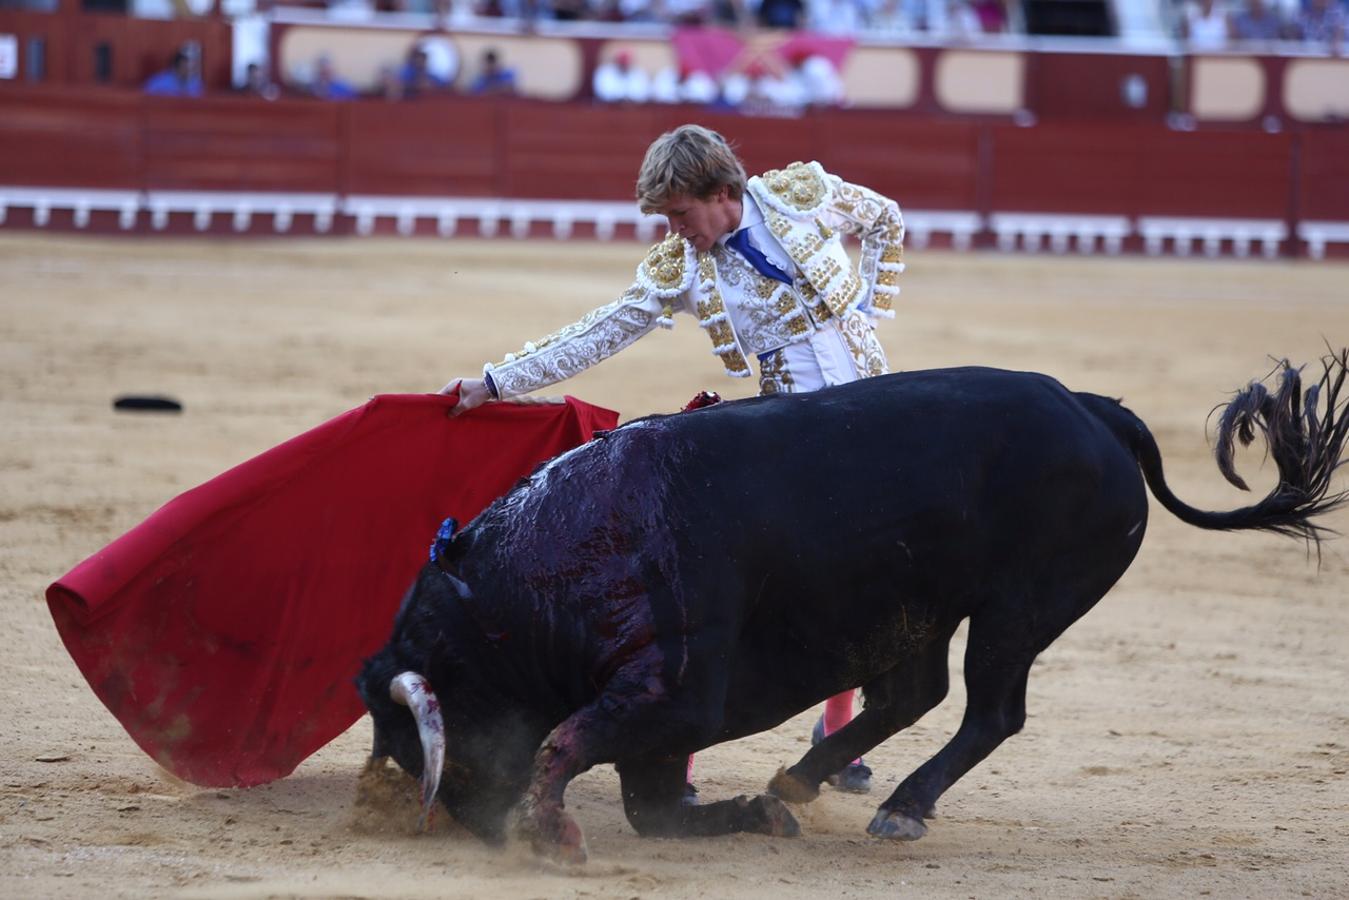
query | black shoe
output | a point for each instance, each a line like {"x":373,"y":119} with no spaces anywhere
{"x":690,"y":797}
{"x":855,"y":778}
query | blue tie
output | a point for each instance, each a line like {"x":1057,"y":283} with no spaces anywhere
{"x":739,"y":241}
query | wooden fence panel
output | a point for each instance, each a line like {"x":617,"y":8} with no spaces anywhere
{"x":56,"y":137}
{"x":1088,"y":167}
{"x":1216,"y":174}
{"x":921,"y":163}
{"x":1066,"y":168}
{"x":1323,"y":185}
{"x":227,"y":143}
{"x":434,"y":147}
{"x":105,"y":138}
{"x":565,"y":152}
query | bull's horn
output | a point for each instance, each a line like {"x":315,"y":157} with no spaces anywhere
{"x":413,"y":691}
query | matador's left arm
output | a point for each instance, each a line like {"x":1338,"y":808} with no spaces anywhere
{"x":878,"y":222}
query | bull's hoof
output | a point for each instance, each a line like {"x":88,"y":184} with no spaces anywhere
{"x":553,"y":835}
{"x":792,"y":789}
{"x":766,"y":814}
{"x":896,"y":826}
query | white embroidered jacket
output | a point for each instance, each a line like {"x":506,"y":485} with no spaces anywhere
{"x":743,"y":312}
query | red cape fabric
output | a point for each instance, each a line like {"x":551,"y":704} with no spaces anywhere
{"x":224,"y":631}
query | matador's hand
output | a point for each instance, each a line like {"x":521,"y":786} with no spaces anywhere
{"x":473,"y":393}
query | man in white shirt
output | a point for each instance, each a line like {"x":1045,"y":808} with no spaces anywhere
{"x":619,"y":81}
{"x":760,"y":263}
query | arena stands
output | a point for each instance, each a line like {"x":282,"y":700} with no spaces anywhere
{"x":990,"y":133}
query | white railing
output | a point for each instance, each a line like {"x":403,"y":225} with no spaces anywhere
{"x":243,"y":212}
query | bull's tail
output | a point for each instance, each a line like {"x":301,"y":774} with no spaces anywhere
{"x":1305,"y":433}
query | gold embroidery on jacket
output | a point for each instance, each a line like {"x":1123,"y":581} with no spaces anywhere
{"x":860,"y":338}
{"x":774,"y":375}
{"x":800,"y":186}
{"x":713,"y":318}
{"x":768,"y":312}
{"x":664,"y":266}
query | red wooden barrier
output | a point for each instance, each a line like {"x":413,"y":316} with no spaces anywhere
{"x":927,"y":164}
{"x":1323,"y":167}
{"x":1214,"y":174}
{"x":51,"y":136}
{"x":436,"y":147}
{"x":1089,"y":167}
{"x":1071,"y":85}
{"x":527,"y":149}
{"x":234,"y":143}
{"x":552,"y":151}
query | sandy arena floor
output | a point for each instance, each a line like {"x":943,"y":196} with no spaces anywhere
{"x":1190,"y":737}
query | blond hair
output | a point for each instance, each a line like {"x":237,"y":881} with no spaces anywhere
{"x":691,"y":160}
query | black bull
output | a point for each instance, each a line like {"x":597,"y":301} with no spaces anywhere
{"x":690,"y":579}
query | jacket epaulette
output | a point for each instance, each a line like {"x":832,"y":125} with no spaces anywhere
{"x":801,"y":190}
{"x":669,"y":269}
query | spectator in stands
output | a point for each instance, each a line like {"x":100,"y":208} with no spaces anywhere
{"x":619,"y":81}
{"x":569,"y":10}
{"x":684,"y":85}
{"x":503,"y":9}
{"x":772,"y":92}
{"x":781,"y":13}
{"x":698,"y":87}
{"x":257,"y":84}
{"x":665,"y":85}
{"x":961,"y":22}
{"x":630,"y":11}
{"x":416,"y":77}
{"x":327,"y":85}
{"x":180,"y":79}
{"x":390,"y":84}
{"x":687,"y":12}
{"x":1323,"y":22}
{"x":1205,"y":26}
{"x":992,"y":15}
{"x":609,"y":11}
{"x":735,"y":88}
{"x":730,"y":13}
{"x":493,"y":77}
{"x":1258,"y":22}
{"x":840,"y":17}
{"x":819,"y":81}
{"x":897,"y":17}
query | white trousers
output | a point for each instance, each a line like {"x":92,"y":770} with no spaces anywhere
{"x":823,"y":360}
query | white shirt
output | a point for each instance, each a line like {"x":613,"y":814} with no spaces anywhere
{"x":613,"y":85}
{"x":760,"y":237}
{"x":820,"y":360}
{"x":1207,"y":32}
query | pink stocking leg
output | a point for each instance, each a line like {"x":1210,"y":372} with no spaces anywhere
{"x":837,"y":713}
